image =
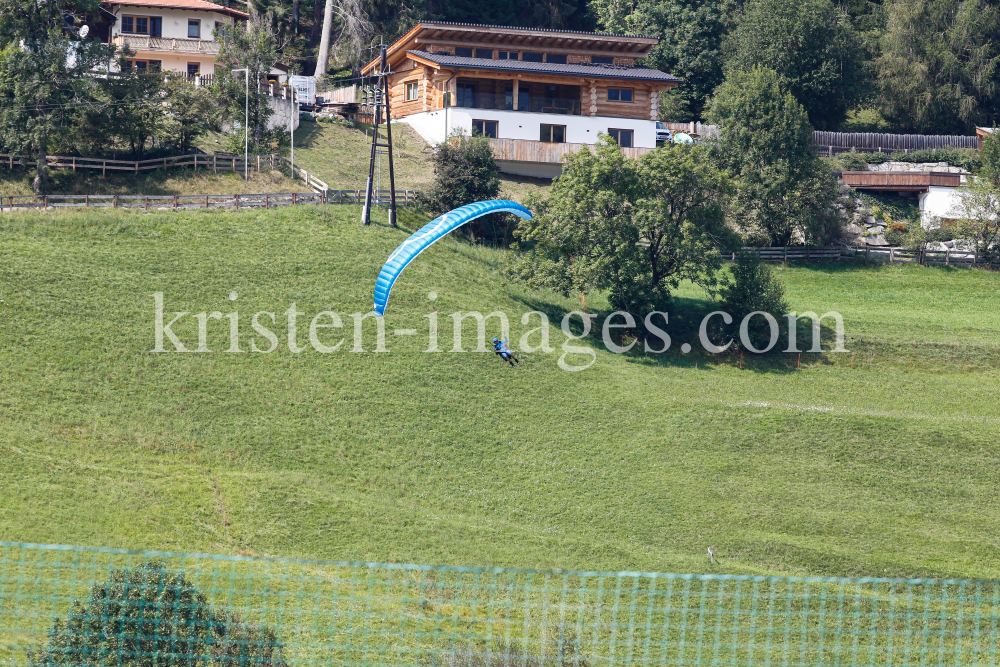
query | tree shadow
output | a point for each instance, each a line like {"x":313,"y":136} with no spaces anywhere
{"x":685,"y":317}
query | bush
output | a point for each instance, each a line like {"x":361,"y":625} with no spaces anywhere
{"x":753,"y":287}
{"x":466,"y":172}
{"x":148,"y":617}
{"x":852,"y":161}
{"x":966,"y":158}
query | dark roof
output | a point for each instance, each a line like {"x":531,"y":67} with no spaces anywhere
{"x":596,"y":71}
{"x":514,"y":27}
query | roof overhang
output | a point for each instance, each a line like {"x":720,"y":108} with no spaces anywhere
{"x":192,"y":7}
{"x":435,"y":32}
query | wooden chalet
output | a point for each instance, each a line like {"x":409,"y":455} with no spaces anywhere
{"x":538,"y":93}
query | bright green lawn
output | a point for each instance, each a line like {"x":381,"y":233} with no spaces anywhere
{"x":635,"y":463}
{"x":160,"y":182}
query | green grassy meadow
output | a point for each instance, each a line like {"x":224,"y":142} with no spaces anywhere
{"x":879,"y":462}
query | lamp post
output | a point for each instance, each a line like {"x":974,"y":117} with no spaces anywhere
{"x":246,"y":126}
{"x":295,"y":114}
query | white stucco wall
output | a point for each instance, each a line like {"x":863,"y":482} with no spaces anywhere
{"x":175,"y":21}
{"x":431,"y":125}
{"x":939,"y":202}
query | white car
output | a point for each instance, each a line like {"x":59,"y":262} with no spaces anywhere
{"x":663,"y":134}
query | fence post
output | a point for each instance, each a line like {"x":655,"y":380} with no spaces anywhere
{"x":868,"y":253}
{"x":237,"y":202}
{"x":215,"y":167}
{"x":116,"y":202}
{"x":74,"y":163}
{"x":104,"y":168}
{"x":86,"y":201}
{"x":206,"y":201}
{"x":267,"y":201}
{"x":947,"y":256}
{"x":295,"y":198}
{"x":175,"y":201}
{"x":146,"y":202}
{"x":892,"y":255}
{"x":258,"y":164}
{"x":45,"y":202}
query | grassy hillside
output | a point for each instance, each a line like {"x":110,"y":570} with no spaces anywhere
{"x":159,"y":182}
{"x":340,"y":156}
{"x":878,"y":462}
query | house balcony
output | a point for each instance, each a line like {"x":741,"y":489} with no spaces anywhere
{"x":146,"y":44}
{"x":522,"y":150}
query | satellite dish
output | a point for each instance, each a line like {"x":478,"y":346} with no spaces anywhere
{"x":84,"y":31}
{"x":683,"y":138}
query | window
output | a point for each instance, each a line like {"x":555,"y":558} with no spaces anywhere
{"x":527,"y":56}
{"x":556,"y":58}
{"x":487,"y":128}
{"x":507,"y":55}
{"x":143,"y":66}
{"x":466,"y":95}
{"x":463,"y":52}
{"x":194,"y":69}
{"x":411,"y":91}
{"x":523,"y":98}
{"x":508,"y":98}
{"x":619,"y":94}
{"x":484,"y":53}
{"x":138,"y":25}
{"x":623,"y":137}
{"x":601,"y":60}
{"x":555,"y":134}
{"x":194,"y":28}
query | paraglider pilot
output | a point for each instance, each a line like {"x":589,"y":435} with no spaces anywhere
{"x":500,"y":347}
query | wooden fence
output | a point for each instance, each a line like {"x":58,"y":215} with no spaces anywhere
{"x":186,"y":202}
{"x":873,"y":254}
{"x":214,"y":163}
{"x":832,"y":143}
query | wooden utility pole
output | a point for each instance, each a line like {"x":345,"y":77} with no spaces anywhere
{"x":381,"y":101}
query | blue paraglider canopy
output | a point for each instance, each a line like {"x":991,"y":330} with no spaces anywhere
{"x":424,"y":237}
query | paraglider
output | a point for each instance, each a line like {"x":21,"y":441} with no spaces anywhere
{"x":500,"y":348}
{"x":424,"y":237}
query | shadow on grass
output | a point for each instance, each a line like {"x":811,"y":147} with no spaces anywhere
{"x":685,"y":317}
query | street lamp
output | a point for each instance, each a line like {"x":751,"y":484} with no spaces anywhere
{"x":295,"y":114}
{"x":246,"y":126}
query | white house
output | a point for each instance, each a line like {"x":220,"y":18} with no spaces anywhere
{"x":173,"y":35}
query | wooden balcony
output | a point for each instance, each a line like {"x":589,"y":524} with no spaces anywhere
{"x":146,"y":44}
{"x":900,"y":181}
{"x":522,"y":150}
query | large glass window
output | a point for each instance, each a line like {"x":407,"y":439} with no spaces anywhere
{"x":531,"y":57}
{"x":507,"y":55}
{"x":194,"y":28}
{"x":466,"y":95}
{"x":556,"y":58}
{"x":462,"y":51}
{"x":555,"y":134}
{"x":602,"y":60}
{"x":523,"y":98}
{"x":411,"y":90}
{"x":484,"y":53}
{"x":487,"y":128}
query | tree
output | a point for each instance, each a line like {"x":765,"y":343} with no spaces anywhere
{"x":753,"y":287}
{"x":190,"y":112}
{"x":980,"y":202}
{"x":939,"y":71}
{"x":765,"y":145}
{"x":46,"y":76}
{"x":691,"y":36}
{"x":813,"y":49}
{"x":131,"y":107}
{"x":147,"y":616}
{"x":636,"y":228}
{"x":256,"y":47}
{"x":465,"y":172}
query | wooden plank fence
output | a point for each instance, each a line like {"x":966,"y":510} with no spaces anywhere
{"x":186,"y":202}
{"x":832,"y":143}
{"x":877,"y":255}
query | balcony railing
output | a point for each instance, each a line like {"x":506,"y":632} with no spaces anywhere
{"x":160,"y":44}
{"x":523,"y":150}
